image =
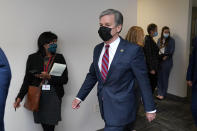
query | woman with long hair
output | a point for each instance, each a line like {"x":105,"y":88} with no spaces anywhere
{"x":166,"y":46}
{"x":37,"y":70}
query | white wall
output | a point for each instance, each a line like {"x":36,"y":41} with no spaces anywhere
{"x":176,"y":14}
{"x":76,"y":24}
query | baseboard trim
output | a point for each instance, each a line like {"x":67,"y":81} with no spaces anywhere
{"x":101,"y":130}
{"x":177,"y":98}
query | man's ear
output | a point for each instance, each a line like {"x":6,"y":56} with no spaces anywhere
{"x":119,"y":28}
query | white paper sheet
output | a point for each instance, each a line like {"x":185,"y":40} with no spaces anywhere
{"x":57,"y":69}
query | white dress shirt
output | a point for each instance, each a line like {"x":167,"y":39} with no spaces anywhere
{"x":112,"y":50}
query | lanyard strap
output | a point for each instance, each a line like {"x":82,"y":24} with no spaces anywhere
{"x":46,"y":68}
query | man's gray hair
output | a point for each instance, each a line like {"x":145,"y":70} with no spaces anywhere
{"x":118,"y":15}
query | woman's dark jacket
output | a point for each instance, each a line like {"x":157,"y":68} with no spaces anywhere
{"x":35,"y":64}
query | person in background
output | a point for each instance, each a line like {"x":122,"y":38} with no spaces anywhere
{"x":49,"y":113}
{"x":116,"y":64}
{"x":166,"y":45}
{"x":192,"y":80}
{"x":5,"y":78}
{"x":135,"y":35}
{"x":151,"y":52}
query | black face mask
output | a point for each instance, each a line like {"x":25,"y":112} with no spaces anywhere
{"x":105,"y":33}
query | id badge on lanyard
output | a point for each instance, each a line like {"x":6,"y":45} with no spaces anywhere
{"x":46,"y":86}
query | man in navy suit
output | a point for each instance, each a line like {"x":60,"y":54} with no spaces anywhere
{"x":116,"y":64}
{"x":5,"y":77}
{"x":192,"y":79}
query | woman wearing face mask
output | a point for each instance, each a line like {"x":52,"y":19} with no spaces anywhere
{"x":166,"y":45}
{"x":36,"y":70}
{"x":151,"y":52}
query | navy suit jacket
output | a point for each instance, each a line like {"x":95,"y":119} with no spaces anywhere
{"x":5,"y":77}
{"x":192,"y":68}
{"x":116,"y":94}
{"x":5,"y":72}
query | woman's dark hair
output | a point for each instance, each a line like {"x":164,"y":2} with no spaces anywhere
{"x":151,"y":27}
{"x":162,"y":37}
{"x":45,"y":38}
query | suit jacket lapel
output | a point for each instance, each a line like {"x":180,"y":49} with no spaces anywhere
{"x":97,"y":60}
{"x":119,"y":51}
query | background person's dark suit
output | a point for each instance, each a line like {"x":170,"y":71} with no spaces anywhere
{"x":151,"y":52}
{"x":192,"y":76}
{"x":116,"y":95}
{"x":5,"y":77}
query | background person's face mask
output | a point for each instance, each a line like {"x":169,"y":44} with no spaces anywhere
{"x":165,"y":35}
{"x":155,"y":34}
{"x":105,"y":33}
{"x":52,"y":48}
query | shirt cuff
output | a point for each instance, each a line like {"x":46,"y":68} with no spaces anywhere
{"x":78,"y":99}
{"x":152,"y":111}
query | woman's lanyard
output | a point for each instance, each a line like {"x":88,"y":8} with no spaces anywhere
{"x":46,"y":67}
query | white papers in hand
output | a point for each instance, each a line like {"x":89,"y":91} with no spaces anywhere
{"x":57,"y":69}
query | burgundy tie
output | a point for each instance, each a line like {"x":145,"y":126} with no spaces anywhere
{"x":105,"y":63}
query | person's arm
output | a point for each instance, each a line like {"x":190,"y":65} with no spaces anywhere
{"x":87,"y":86}
{"x":3,"y":60}
{"x":60,"y":80}
{"x":140,"y":71}
{"x":24,"y":87}
{"x":190,"y":69}
{"x":172,"y":48}
{"x":4,"y":64}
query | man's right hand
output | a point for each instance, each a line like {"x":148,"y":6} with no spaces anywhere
{"x":17,"y":103}
{"x":76,"y":104}
{"x":189,"y":83}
